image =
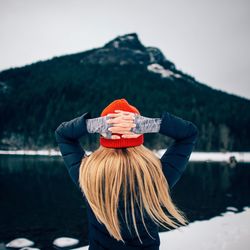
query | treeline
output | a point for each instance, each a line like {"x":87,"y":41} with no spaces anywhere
{"x":36,"y":98}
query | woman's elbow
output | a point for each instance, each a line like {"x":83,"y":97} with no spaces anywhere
{"x":57,"y":133}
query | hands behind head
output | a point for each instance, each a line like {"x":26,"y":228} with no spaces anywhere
{"x":121,"y":122}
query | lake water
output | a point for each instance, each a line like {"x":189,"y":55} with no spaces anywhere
{"x":39,"y":201}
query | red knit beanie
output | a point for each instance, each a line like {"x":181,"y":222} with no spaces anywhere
{"x":120,"y":104}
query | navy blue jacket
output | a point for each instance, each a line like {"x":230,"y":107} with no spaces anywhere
{"x":174,"y":162}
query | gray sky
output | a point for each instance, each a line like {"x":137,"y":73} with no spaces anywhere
{"x":207,"y":39}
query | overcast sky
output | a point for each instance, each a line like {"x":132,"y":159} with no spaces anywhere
{"x":209,"y":40}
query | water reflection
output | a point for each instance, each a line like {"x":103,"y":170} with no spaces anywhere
{"x":39,"y":201}
{"x":206,"y":189}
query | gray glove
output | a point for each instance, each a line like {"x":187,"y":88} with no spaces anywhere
{"x":146,"y":125}
{"x":143,"y":125}
{"x":99,"y":125}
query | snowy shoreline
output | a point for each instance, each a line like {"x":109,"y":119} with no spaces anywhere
{"x":229,"y":231}
{"x":195,"y":156}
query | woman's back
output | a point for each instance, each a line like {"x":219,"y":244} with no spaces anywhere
{"x":148,"y":190}
{"x":99,"y":237}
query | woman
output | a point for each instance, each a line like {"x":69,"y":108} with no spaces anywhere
{"x":125,"y":185}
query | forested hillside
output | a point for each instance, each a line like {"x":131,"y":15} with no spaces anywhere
{"x":36,"y":98}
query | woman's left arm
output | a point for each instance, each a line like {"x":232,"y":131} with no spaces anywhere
{"x":67,"y":137}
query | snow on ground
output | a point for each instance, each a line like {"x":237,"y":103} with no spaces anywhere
{"x":214,"y":156}
{"x":230,"y":231}
{"x":195,"y":156}
{"x":159,"y":69}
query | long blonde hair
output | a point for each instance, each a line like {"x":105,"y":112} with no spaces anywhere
{"x":108,"y":172}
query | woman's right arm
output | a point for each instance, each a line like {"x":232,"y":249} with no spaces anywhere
{"x":185,"y":133}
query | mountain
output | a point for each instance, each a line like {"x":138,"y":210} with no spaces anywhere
{"x":36,"y":98}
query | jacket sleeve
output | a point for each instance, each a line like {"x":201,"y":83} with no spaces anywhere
{"x":67,"y":137}
{"x":176,"y":157}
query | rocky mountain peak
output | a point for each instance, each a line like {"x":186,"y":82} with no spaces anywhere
{"x":128,"y":50}
{"x":129,"y":41}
